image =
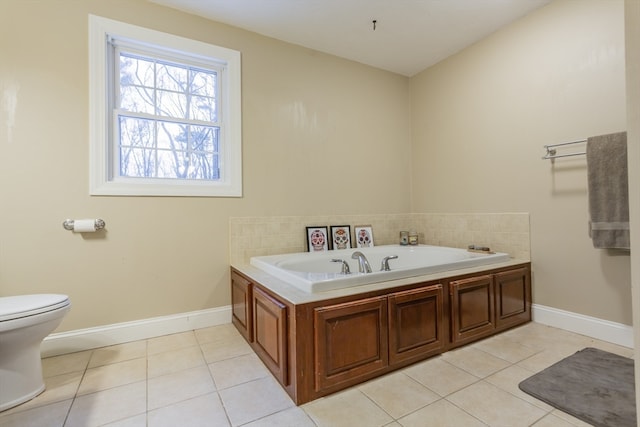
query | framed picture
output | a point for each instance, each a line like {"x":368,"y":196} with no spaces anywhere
{"x":364,"y":236}
{"x":317,"y":239}
{"x":341,"y":236}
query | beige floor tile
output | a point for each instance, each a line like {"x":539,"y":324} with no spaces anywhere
{"x":398,"y":394}
{"x":231,"y":347}
{"x":181,"y":372}
{"x":495,"y":407}
{"x":348,"y":408}
{"x":541,"y":337}
{"x":205,"y":411}
{"x":135,"y":421}
{"x":440,"y":414}
{"x":440,"y":376}
{"x":569,"y":418}
{"x":58,"y":388}
{"x":542,"y":360}
{"x":292,"y":417}
{"x":118,"y":353}
{"x":612,"y":348}
{"x":474,"y":361}
{"x":66,"y":363}
{"x":114,"y":375}
{"x":171,"y":342}
{"x":508,"y":380}
{"x":239,"y":370}
{"x":551,"y":420}
{"x":505,"y":348}
{"x":178,"y":386}
{"x":174,"y":361}
{"x":52,"y":415}
{"x":220,"y":334}
{"x":103,"y":407}
{"x":254,"y":400}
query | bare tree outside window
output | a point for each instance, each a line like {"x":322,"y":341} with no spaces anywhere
{"x":168,"y":119}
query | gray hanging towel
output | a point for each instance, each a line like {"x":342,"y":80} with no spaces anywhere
{"x":608,"y":191}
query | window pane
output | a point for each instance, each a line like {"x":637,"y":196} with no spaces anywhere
{"x":203,"y":108}
{"x":204,"y":166}
{"x":136,"y":132}
{"x":172,"y":136}
{"x":172,"y":164}
{"x":171,"y":104}
{"x":203,"y":83}
{"x":171,"y":77}
{"x":204,"y":138}
{"x":135,"y":70}
{"x":137,"y":99}
{"x":137,"y":163}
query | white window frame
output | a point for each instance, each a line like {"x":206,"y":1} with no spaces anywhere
{"x":104,"y":180}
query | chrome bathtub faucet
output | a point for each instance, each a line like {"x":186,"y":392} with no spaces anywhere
{"x":345,"y":266}
{"x":385,"y":262}
{"x":363,"y":262}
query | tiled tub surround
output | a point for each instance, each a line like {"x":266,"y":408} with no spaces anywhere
{"x":502,"y":232}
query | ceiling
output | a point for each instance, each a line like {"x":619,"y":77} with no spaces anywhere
{"x":409,"y":35}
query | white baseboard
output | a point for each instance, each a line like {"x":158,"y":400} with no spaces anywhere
{"x":593,"y":327}
{"x":118,"y":333}
{"x":86,"y":339}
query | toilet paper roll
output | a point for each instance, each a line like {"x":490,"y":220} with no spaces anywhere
{"x":84,"y":225}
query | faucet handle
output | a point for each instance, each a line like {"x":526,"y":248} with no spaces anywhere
{"x":345,"y":266}
{"x":385,"y":262}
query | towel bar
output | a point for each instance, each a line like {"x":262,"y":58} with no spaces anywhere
{"x":552,"y":152}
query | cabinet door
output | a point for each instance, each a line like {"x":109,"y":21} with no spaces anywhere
{"x":241,"y":305}
{"x":513,"y":293}
{"x":350,"y":341}
{"x":472,"y":308}
{"x":270,"y":333}
{"x":416,"y":326}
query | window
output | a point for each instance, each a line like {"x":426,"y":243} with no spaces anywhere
{"x":165,"y":114}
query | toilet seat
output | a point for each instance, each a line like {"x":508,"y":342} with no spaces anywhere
{"x":20,"y":306}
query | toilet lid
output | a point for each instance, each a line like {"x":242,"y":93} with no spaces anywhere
{"x":18,"y":306}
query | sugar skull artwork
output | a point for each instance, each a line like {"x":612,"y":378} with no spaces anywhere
{"x":364,"y":237}
{"x":341,"y":236}
{"x":317,"y":239}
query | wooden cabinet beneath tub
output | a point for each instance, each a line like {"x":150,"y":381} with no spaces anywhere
{"x":270,"y":333}
{"x":241,"y":314}
{"x":416,"y":324}
{"x":350,"y":341}
{"x":317,"y":348}
{"x":482,"y":305}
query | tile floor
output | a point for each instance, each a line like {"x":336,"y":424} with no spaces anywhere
{"x":211,"y":377}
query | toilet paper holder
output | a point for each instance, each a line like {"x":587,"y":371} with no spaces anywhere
{"x":69,"y":223}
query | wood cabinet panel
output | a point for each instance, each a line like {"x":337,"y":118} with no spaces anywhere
{"x":270,"y":333}
{"x":472,"y":308}
{"x":513,"y":293}
{"x":350,"y":341}
{"x":316,"y":348}
{"x":241,"y":313}
{"x":416,"y":326}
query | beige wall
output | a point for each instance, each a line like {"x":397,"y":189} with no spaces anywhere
{"x":480,"y":120}
{"x":632,"y":40}
{"x":316,"y":135}
{"x":321,"y":136}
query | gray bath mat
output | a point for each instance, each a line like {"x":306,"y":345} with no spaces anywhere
{"x":593,"y":385}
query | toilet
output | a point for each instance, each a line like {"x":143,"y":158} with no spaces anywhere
{"x":25,"y":320}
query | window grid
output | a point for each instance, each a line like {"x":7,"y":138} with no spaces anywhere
{"x":192,"y":153}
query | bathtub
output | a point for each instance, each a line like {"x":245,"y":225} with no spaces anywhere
{"x":314,"y":271}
